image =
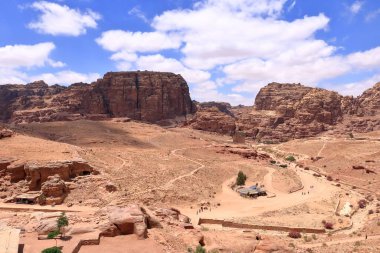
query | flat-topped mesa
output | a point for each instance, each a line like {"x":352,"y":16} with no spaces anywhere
{"x":140,"y":95}
{"x":144,"y":95}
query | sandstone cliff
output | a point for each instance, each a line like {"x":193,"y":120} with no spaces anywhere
{"x":287,"y":111}
{"x":146,"y":96}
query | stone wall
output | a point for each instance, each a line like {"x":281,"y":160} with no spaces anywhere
{"x":231,"y":224}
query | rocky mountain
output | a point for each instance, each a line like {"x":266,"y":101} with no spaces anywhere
{"x":288,"y":111}
{"x":140,"y":95}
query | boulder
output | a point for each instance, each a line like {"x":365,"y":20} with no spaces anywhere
{"x":6,"y":133}
{"x":54,"y":191}
{"x":128,"y":220}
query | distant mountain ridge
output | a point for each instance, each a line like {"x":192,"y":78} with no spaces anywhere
{"x":288,"y":111}
{"x":139,"y":95}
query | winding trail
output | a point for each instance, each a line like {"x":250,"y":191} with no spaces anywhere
{"x":172,"y":181}
{"x":321,"y":150}
{"x":192,"y":173}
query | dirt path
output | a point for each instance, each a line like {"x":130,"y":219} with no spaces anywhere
{"x":172,"y":181}
{"x":334,"y":242}
{"x":321,"y":150}
{"x":200,"y":166}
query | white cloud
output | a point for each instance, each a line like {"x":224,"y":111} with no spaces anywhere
{"x":357,"y":88}
{"x":245,"y":42}
{"x":356,"y":7}
{"x":136,"y":11}
{"x":118,"y":40}
{"x":65,"y":77}
{"x":16,"y":59}
{"x":16,"y":56}
{"x":58,"y":19}
{"x":292,"y":5}
{"x":367,"y":60}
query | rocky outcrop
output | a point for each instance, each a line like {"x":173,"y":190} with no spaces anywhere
{"x":37,"y":173}
{"x":214,"y":117}
{"x":146,"y":96}
{"x":54,"y":191}
{"x":125,"y":220}
{"x":288,"y":111}
{"x":5,"y":133}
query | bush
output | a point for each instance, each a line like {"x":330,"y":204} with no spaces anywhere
{"x":198,"y":249}
{"x":370,"y":212}
{"x":314,"y":236}
{"x":241,"y":178}
{"x":284,"y":166}
{"x":307,"y":239}
{"x":362,"y":203}
{"x":273,"y":162}
{"x":329,"y":178}
{"x":294,"y":234}
{"x":290,"y":158}
{"x":328,"y":225}
{"x":52,"y":250}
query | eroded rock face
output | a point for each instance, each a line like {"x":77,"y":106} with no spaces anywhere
{"x":128,"y":220}
{"x":147,"y":96}
{"x":214,"y":117}
{"x":37,"y":173}
{"x":288,"y":111}
{"x":54,"y":190}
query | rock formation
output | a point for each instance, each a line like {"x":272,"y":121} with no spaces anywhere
{"x":36,"y":173}
{"x":5,"y":133}
{"x":53,"y":190}
{"x":288,"y":111}
{"x":146,"y":96}
{"x":214,"y":117}
{"x":125,"y":220}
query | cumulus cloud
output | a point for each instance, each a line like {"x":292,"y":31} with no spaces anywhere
{"x":246,"y":42}
{"x":357,"y":88}
{"x":58,"y":19}
{"x":15,"y":60}
{"x":119,"y":40}
{"x":65,"y":77}
{"x":16,"y":56}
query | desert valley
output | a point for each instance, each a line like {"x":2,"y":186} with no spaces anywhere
{"x":135,"y":165}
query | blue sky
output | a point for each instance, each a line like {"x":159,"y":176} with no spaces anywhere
{"x":225,"y":49}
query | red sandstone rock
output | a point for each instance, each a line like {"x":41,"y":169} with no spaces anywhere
{"x":128,"y":220}
{"x":214,"y":117}
{"x":147,"y":96}
{"x":54,"y":190}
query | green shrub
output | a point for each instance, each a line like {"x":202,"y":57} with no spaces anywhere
{"x":52,"y":250}
{"x":241,"y":178}
{"x":284,"y":166}
{"x":273,"y":162}
{"x":198,"y":249}
{"x":290,"y":158}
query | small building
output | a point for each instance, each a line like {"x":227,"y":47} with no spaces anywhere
{"x":9,"y":240}
{"x":28,"y":198}
{"x":252,"y":192}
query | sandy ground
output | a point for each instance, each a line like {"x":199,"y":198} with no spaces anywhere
{"x":182,"y":168}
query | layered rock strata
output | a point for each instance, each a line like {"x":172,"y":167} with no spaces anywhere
{"x":146,"y":96}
